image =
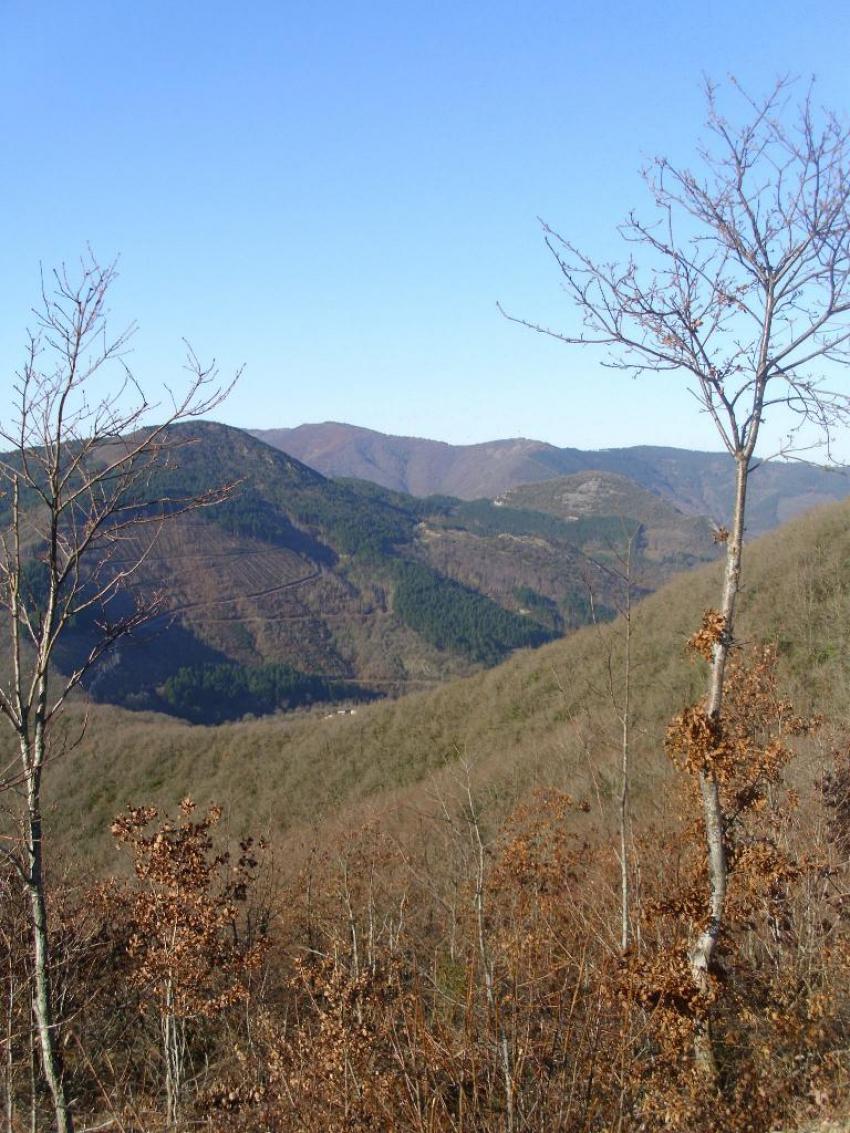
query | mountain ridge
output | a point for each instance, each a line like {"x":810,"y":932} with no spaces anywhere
{"x":697,"y":482}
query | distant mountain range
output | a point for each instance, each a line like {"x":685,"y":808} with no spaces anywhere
{"x":698,"y":483}
{"x":301,"y":589}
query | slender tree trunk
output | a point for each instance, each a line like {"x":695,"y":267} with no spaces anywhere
{"x":709,"y":787}
{"x":10,"y":1060}
{"x":625,"y":770}
{"x":502,"y":1043}
{"x":33,"y":1074}
{"x":42,"y":997}
{"x":173,"y":1043}
{"x":168,"y":1051}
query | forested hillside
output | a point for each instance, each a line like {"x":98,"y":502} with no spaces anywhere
{"x":296,"y":590}
{"x":528,"y":719}
{"x":396,"y":911}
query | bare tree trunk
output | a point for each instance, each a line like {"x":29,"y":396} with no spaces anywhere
{"x":712,"y":810}
{"x":487,"y":968}
{"x":90,"y":460}
{"x":352,"y":929}
{"x":33,"y":1074}
{"x":42,"y":996}
{"x":173,"y":1053}
{"x":625,"y":770}
{"x":10,"y":1060}
{"x":741,"y":284}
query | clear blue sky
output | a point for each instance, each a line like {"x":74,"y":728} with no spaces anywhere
{"x":336,"y":194}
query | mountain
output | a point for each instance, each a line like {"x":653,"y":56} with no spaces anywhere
{"x":532,"y":719}
{"x":699,"y":483}
{"x":294,"y":589}
{"x":417,"y":466}
{"x":298,"y":589}
{"x":668,"y":537}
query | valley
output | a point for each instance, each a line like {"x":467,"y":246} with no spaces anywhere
{"x":400,"y":708}
{"x":361,"y":591}
{"x":530,"y":720}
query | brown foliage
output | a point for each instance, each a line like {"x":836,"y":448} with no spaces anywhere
{"x":469,"y":977}
{"x":747,"y":744}
{"x":184,"y":949}
{"x":711,"y":631}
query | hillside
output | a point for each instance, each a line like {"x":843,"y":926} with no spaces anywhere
{"x":433,"y":835}
{"x":293,"y":585}
{"x":298,"y":589}
{"x":415,"y":465}
{"x":538,"y":717}
{"x":668,"y":535}
{"x":700,"y":483}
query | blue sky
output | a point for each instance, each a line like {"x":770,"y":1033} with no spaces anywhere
{"x":337,"y":194}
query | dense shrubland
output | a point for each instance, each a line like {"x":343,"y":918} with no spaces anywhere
{"x":467,"y":974}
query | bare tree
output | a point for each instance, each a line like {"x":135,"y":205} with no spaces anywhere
{"x":618,"y":568}
{"x":741,"y":285}
{"x":620,"y":692}
{"x":82,"y":492}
